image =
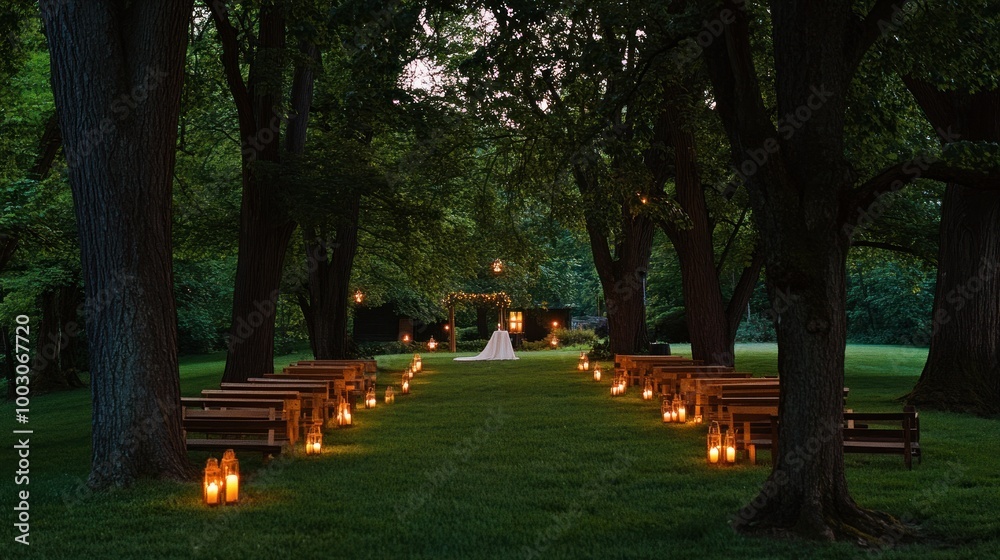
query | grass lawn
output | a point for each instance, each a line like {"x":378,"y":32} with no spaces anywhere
{"x":501,"y":460}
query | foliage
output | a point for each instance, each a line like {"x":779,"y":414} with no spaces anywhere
{"x":601,"y":350}
{"x":574,"y":337}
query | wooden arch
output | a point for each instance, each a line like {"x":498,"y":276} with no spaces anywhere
{"x":499,"y":299}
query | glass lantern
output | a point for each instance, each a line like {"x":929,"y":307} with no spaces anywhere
{"x":390,"y":395}
{"x":666,"y":410}
{"x":678,"y":410}
{"x":597,"y":373}
{"x":432,"y":344}
{"x":230,"y":466}
{"x":714,"y":448}
{"x":729,"y":444}
{"x":583,"y":364}
{"x":344,"y":417}
{"x":370,"y":398}
{"x":214,"y":483}
{"x":314,"y":440}
{"x":647,"y":390}
{"x":418,"y":363}
{"x":405,"y":389}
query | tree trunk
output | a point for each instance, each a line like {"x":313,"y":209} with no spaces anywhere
{"x":798,"y":180}
{"x":330,"y":266}
{"x":265,"y":227}
{"x":117,"y":73}
{"x":47,"y":363}
{"x":962,"y":372}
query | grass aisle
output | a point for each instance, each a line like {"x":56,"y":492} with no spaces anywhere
{"x":525,"y":459}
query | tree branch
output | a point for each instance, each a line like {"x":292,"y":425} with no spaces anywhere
{"x":231,"y":67}
{"x":894,"y":178}
{"x":895,"y":248}
{"x":871,"y":27}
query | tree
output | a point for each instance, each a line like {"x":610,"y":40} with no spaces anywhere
{"x":962,"y":372}
{"x":803,"y":192}
{"x":117,"y":73}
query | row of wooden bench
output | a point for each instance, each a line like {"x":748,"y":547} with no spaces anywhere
{"x":266,"y":413}
{"x":749,"y":405}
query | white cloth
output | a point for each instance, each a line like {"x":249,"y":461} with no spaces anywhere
{"x":499,"y":348}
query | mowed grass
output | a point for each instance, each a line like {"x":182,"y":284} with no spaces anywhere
{"x":525,"y":459}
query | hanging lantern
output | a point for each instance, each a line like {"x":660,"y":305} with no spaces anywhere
{"x":344,"y":417}
{"x":314,"y":440}
{"x":390,"y":395}
{"x":714,"y":443}
{"x":418,"y":363}
{"x":597,"y":373}
{"x":497,"y":266}
{"x":666,"y":410}
{"x":432,"y":344}
{"x":647,"y":390}
{"x":230,"y":466}
{"x":729,"y":443}
{"x":214,"y":484}
{"x":370,"y":398}
{"x":359,"y":297}
{"x":406,"y":385}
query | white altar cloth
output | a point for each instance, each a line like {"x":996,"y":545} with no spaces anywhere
{"x":499,"y":348}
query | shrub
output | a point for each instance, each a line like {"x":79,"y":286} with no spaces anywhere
{"x":601,"y":350}
{"x":536,"y":345}
{"x":574,"y":337}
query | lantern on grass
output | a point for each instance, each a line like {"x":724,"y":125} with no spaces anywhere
{"x":314,"y":440}
{"x":554,"y":341}
{"x":405,"y":389}
{"x":714,"y":443}
{"x":370,"y":398}
{"x":678,"y":411}
{"x":390,"y":395}
{"x":432,"y":344}
{"x":666,"y":409}
{"x":729,"y":444}
{"x":214,"y":484}
{"x":418,"y":362}
{"x":597,"y":373}
{"x":230,"y":466}
{"x":583,"y":364}
{"x":344,"y":417}
{"x":647,"y":390}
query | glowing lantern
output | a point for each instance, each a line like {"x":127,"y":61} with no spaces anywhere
{"x":678,"y":410}
{"x":418,"y":363}
{"x":359,"y":296}
{"x":647,"y":390}
{"x":370,"y":398}
{"x":432,"y":344}
{"x":714,"y":443}
{"x":406,"y":386}
{"x":497,"y":266}
{"x":408,"y":373}
{"x":314,"y":440}
{"x":406,"y":338}
{"x":729,"y":445}
{"x":584,"y":363}
{"x":230,"y":466}
{"x":515,"y":322}
{"x":597,"y":373}
{"x":554,"y":341}
{"x":666,"y":410}
{"x":344,"y":417}
{"x":390,"y":395}
{"x":555,"y":324}
{"x":214,"y":483}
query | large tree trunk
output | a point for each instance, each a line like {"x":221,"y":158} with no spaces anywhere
{"x":116,"y":77}
{"x":798,"y":188}
{"x":962,"y":372}
{"x":47,"y":363}
{"x":265,"y":227}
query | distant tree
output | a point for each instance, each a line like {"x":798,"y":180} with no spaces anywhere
{"x":117,"y":72}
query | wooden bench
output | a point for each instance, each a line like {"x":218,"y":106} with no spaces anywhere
{"x":314,"y":394}
{"x":244,"y":429}
{"x":755,"y":428}
{"x":370,"y":366}
{"x":285,"y":409}
{"x":884,"y":432}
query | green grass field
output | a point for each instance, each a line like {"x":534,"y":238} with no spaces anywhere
{"x":528,"y":459}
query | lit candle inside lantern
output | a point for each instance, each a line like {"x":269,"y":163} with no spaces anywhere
{"x":213,"y":494}
{"x":682,"y":415}
{"x":232,"y":488}
{"x":713,"y":455}
{"x":730,"y":454}
{"x":316,"y":447}
{"x":673,"y":415}
{"x":666,"y":416}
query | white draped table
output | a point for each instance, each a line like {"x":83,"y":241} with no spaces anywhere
{"x":499,"y":348}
